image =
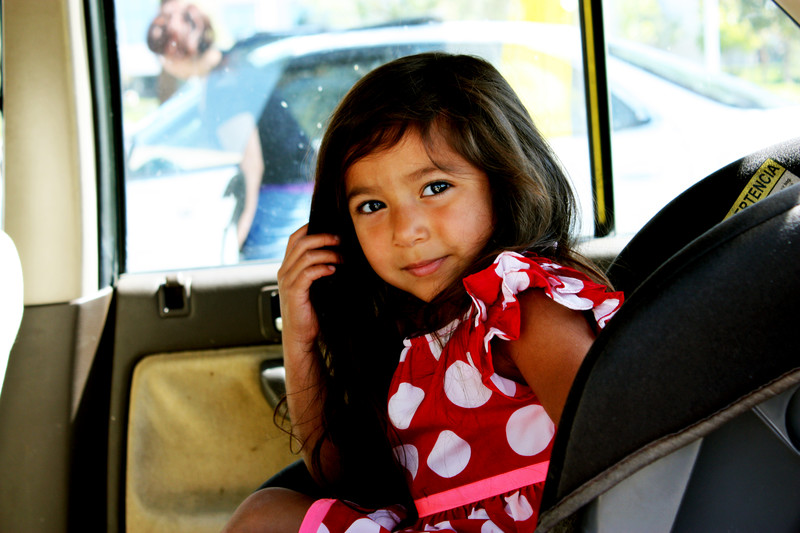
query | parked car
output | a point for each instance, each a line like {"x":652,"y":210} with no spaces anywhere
{"x":179,"y":167}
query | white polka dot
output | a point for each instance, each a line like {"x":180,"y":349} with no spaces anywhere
{"x":403,"y":405}
{"x":446,"y":332}
{"x":408,"y":456}
{"x":478,"y":513}
{"x":493,"y":332}
{"x":387,"y":518}
{"x":506,"y":386}
{"x":518,"y":507}
{"x":441,"y":526}
{"x":435,"y":345}
{"x":513,"y":284}
{"x":406,"y":348}
{"x":322,"y":529}
{"x":572,"y":285}
{"x":364,"y":525}
{"x":568,"y":294}
{"x":490,"y":527}
{"x":450,"y":455}
{"x":463,"y":386}
{"x":509,"y":262}
{"x":481,"y":308}
{"x":572,"y":301}
{"x":604,"y":311}
{"x":529,"y":430}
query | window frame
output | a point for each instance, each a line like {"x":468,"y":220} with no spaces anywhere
{"x":598,"y":115}
{"x":105,"y":79}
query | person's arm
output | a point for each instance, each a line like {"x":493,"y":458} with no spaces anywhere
{"x":306,"y":261}
{"x":252,"y":167}
{"x":552,"y":344}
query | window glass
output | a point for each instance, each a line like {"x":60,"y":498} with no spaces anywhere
{"x":2,"y":144}
{"x":269,"y":75}
{"x":702,"y":83}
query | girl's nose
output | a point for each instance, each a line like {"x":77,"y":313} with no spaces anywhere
{"x":409,"y":227}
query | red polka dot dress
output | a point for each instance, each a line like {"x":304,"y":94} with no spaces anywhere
{"x":476,"y":446}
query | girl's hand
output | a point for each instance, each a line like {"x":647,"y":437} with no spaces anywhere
{"x":307,"y":259}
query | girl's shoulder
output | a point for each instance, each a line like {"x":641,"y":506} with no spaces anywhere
{"x":494,"y":290}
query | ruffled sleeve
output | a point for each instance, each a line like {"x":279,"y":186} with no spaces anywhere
{"x":494,"y":293}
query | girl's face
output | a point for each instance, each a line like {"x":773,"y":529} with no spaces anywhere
{"x":419,"y":224}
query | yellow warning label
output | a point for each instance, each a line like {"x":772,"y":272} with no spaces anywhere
{"x":769,"y":178}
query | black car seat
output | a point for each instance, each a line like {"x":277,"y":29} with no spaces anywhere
{"x":685,"y":415}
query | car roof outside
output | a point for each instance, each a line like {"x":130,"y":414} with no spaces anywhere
{"x":557,"y":40}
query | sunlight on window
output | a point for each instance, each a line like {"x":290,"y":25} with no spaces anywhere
{"x":225,"y":104}
{"x":716,"y":80}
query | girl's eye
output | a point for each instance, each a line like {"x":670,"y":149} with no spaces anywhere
{"x":370,"y":206}
{"x":437,"y":187}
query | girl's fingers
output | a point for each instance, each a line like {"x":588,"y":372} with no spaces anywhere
{"x":295,"y":266}
{"x":293,"y":238}
{"x":308,"y":258}
{"x":307,"y":250}
{"x":315,"y":272}
{"x":300,"y":325}
{"x":315,"y":240}
{"x":299,"y":244}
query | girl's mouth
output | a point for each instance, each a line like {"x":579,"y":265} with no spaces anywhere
{"x":424,"y":268}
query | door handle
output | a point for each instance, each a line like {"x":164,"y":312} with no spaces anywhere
{"x":273,"y":381}
{"x":269,"y":313}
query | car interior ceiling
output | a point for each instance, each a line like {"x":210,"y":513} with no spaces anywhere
{"x":713,"y":419}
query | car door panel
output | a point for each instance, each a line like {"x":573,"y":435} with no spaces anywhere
{"x":201,"y":438}
{"x":191,"y":433}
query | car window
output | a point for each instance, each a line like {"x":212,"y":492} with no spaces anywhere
{"x":190,"y":133}
{"x":709,"y":82}
{"x":2,"y":144}
{"x":314,"y":85}
{"x":691,"y":88}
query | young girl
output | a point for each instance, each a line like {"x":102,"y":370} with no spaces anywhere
{"x":435,"y":316}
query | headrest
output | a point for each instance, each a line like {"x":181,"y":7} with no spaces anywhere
{"x":702,"y":206}
{"x":11,"y":299}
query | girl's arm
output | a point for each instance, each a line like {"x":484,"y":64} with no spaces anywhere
{"x":306,"y":260}
{"x":552,"y":344}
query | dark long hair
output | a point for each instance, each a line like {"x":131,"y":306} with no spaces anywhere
{"x":466,"y":102}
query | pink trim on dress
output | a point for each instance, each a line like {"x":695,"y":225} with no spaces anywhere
{"x":480,"y":490}
{"x":314,"y":516}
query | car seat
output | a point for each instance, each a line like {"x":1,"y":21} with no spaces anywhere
{"x":692,"y":213}
{"x":686,"y":412}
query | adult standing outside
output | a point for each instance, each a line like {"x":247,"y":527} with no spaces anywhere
{"x":272,"y":189}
